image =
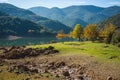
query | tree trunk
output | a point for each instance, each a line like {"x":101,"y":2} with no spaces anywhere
{"x":79,"y":38}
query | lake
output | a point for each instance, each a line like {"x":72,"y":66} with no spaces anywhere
{"x":30,"y":41}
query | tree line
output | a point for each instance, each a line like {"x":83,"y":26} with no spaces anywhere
{"x":91,"y":33}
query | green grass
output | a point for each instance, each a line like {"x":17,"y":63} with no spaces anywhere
{"x":99,"y":50}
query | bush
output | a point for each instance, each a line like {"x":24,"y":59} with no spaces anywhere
{"x":118,"y":45}
{"x":116,"y":37}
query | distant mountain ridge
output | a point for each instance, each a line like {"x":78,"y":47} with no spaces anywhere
{"x":29,"y":15}
{"x":73,"y":14}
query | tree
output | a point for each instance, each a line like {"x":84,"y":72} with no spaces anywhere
{"x":116,"y":37}
{"x":107,"y":32}
{"x":90,"y":32}
{"x":61,"y":35}
{"x":77,"y":32}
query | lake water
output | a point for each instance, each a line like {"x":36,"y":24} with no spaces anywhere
{"x":30,"y":41}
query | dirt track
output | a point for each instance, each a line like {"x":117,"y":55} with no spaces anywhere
{"x":71,"y":67}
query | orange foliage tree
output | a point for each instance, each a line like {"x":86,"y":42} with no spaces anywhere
{"x":90,"y":32}
{"x":61,"y":35}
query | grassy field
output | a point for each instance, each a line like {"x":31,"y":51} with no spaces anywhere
{"x":99,"y":50}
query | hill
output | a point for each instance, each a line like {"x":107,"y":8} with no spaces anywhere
{"x":82,"y":14}
{"x":10,"y":25}
{"x":114,"y":20}
{"x":26,"y":14}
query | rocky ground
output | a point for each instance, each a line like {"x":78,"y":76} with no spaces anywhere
{"x":71,"y":67}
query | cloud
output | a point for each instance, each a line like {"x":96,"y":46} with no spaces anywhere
{"x":2,"y":1}
{"x":78,"y":2}
{"x":75,"y":2}
{"x":115,"y":3}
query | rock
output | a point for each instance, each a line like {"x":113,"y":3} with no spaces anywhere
{"x":1,"y":62}
{"x":17,"y":72}
{"x":55,"y":51}
{"x":27,"y":79}
{"x":22,"y":52}
{"x":57,"y":76}
{"x":66,"y":73}
{"x":1,"y":70}
{"x":60,"y":64}
{"x":10,"y":69}
{"x":109,"y":78}
{"x":51,"y":65}
{"x":113,"y":57}
{"x":46,"y":52}
{"x":50,"y":48}
{"x":79,"y":78}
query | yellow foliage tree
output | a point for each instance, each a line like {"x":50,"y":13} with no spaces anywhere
{"x":61,"y":34}
{"x":90,"y":32}
{"x":77,"y":32}
{"x":107,"y":32}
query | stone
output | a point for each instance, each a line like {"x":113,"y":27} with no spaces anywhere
{"x":27,"y":79}
{"x":50,"y":48}
{"x":109,"y":78}
{"x":66,"y":73}
{"x":1,"y":70}
{"x":57,"y":76}
{"x":60,"y":64}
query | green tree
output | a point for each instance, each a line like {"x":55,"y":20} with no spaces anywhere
{"x":90,"y":32}
{"x":116,"y":37}
{"x":77,"y":32}
{"x":107,"y":32}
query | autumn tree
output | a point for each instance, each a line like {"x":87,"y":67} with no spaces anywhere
{"x":61,"y":35}
{"x":77,"y":32}
{"x":107,"y":32}
{"x":90,"y":32}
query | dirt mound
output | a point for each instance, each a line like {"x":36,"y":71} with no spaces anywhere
{"x":21,"y":52}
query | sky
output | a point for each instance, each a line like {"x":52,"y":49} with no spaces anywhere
{"x":60,"y":3}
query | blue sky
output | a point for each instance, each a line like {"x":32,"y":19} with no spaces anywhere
{"x":60,"y":3}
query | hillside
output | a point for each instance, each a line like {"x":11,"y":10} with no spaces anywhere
{"x":10,"y":25}
{"x":82,"y":14}
{"x":26,"y":14}
{"x":114,"y":20}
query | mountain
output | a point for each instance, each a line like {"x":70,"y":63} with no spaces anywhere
{"x":3,"y":14}
{"x":110,"y":11}
{"x":10,"y":25}
{"x":57,"y":14}
{"x":53,"y":13}
{"x":26,"y":14}
{"x":72,"y":22}
{"x":114,"y":20}
{"x":104,"y":14}
{"x":77,"y":14}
